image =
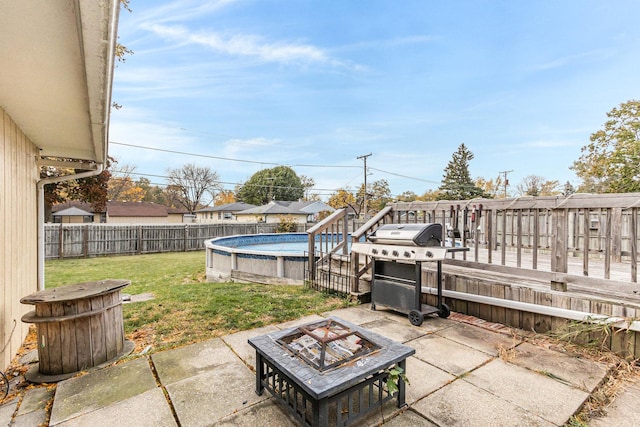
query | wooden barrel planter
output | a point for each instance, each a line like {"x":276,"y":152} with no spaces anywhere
{"x":79,"y":326}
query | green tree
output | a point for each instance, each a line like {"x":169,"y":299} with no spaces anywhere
{"x":456,"y":182}
{"x":196,"y":185}
{"x":278,"y":183}
{"x":610,"y":163}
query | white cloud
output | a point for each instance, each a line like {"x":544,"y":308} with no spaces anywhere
{"x":246,"y":45}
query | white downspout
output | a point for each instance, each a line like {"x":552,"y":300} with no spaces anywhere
{"x":40,"y":185}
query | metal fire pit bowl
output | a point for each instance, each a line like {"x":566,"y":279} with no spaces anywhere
{"x":327,"y":344}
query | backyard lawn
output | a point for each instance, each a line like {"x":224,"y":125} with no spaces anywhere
{"x":185,"y":308}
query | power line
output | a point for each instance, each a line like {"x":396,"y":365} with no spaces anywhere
{"x":226,"y":158}
{"x":267,"y":163}
{"x":405,"y":176}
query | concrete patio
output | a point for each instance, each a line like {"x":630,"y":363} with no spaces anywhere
{"x":465,"y":372}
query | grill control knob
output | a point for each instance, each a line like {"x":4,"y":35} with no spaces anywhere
{"x":374,"y":251}
{"x":395,"y":253}
{"x":384,"y":252}
{"x":429,"y":254}
{"x":407,"y":254}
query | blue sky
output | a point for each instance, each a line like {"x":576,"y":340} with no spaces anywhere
{"x":314,"y":84}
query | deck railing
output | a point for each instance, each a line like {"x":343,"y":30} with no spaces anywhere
{"x":582,"y":238}
{"x":385,"y":216}
{"x":329,"y":236}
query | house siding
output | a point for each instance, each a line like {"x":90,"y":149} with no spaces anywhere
{"x":18,"y":233}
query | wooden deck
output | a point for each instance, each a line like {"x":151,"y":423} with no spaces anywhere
{"x":619,"y":286}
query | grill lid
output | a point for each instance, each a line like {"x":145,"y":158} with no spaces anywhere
{"x":429,"y":234}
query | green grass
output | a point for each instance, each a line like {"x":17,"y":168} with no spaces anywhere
{"x":185,"y":307}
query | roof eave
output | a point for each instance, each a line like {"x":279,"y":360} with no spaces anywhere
{"x":57,"y":74}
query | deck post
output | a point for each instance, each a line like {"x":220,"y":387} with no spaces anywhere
{"x":559,"y":251}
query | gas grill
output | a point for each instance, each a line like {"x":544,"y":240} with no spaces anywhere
{"x":397,"y":252}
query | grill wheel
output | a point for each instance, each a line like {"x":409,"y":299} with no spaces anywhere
{"x":416,"y":317}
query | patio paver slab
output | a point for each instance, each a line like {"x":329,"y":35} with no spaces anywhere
{"x":463,"y":404}
{"x":394,"y":330}
{"x":581,"y":373}
{"x":480,"y":339}
{"x":205,"y":399}
{"x":537,"y":393}
{"x":149,"y":409}
{"x":179,"y":363}
{"x":238,"y":342}
{"x":101,"y":388}
{"x":448,"y":355}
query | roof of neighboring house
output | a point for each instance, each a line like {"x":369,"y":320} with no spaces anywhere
{"x":145,"y":209}
{"x":274,"y":207}
{"x":73,"y":204}
{"x":311,"y":206}
{"x":176,"y":211}
{"x":229,"y":207}
{"x":72,"y":211}
{"x":118,"y":209}
{"x":57,"y":73}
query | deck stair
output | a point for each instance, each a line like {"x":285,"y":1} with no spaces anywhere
{"x":334,"y":273}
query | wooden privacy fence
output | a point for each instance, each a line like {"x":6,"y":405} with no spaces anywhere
{"x":574,"y":238}
{"x":90,"y":240}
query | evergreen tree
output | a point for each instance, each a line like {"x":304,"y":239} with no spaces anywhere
{"x":456,"y":182}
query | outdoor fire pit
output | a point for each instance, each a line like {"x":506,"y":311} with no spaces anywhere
{"x":329,"y":371}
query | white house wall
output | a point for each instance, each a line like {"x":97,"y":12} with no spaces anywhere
{"x":18,"y":233}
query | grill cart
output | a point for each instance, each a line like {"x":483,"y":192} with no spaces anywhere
{"x":397,"y":252}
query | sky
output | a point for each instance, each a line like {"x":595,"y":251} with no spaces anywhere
{"x":244,"y":85}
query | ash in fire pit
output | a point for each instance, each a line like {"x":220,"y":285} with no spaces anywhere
{"x":327,"y":344}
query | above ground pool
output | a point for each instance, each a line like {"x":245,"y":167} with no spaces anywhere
{"x":277,"y":257}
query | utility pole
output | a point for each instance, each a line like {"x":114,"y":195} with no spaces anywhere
{"x":506,"y":181}
{"x":364,"y":158}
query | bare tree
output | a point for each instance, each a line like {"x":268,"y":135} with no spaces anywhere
{"x":197,"y":185}
{"x":120,"y":182}
{"x":534,"y":185}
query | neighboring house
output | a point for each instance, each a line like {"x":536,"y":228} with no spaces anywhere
{"x":74,"y":215}
{"x":136,"y":213}
{"x":221,"y":213}
{"x":76,"y":212}
{"x":272,"y":212}
{"x":178,"y":216}
{"x":312,"y":208}
{"x":55,"y":95}
{"x":299,"y":212}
